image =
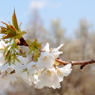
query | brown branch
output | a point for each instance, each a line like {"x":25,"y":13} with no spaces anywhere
{"x":82,"y":63}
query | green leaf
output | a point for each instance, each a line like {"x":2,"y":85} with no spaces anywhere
{"x":14,"y":20}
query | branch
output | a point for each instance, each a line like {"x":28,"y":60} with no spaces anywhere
{"x":82,"y":63}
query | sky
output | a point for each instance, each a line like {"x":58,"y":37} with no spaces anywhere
{"x":70,"y":12}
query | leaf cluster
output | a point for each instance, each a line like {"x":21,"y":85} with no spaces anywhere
{"x":11,"y":34}
{"x":34,"y":49}
{"x":12,"y":31}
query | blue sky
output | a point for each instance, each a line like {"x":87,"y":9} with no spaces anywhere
{"x":69,"y":11}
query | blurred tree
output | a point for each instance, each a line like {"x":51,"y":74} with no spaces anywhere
{"x":35,"y":28}
{"x":82,"y":47}
{"x":82,"y":34}
{"x":57,"y":32}
{"x":76,"y":49}
{"x":91,"y":50}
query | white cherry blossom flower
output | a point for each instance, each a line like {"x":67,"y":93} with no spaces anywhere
{"x":46,"y":60}
{"x":63,"y":71}
{"x":56,"y":51}
{"x":46,"y":48}
{"x":32,"y":68}
{"x":20,"y":65}
{"x":52,"y":77}
{"x":48,"y":78}
{"x":7,"y":78}
{"x":27,"y":77}
{"x":6,"y":75}
{"x":67,"y":69}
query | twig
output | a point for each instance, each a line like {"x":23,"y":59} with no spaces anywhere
{"x":82,"y":63}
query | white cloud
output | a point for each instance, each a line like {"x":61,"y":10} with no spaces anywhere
{"x":38,"y":4}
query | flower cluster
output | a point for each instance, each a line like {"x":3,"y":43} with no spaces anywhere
{"x":28,"y":60}
{"x":43,"y":72}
